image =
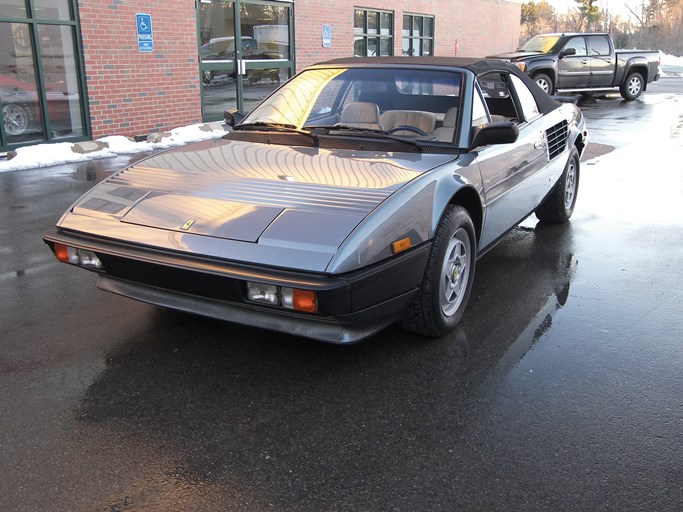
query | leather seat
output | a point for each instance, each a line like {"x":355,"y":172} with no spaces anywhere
{"x":361,"y":114}
{"x":425,"y":121}
{"x":446,"y":132}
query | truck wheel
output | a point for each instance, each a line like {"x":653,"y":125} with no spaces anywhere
{"x":441,"y":300}
{"x":633,"y":86}
{"x":558,"y":206}
{"x":544,"y":82}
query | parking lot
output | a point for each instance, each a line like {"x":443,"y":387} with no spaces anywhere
{"x":562,"y":389}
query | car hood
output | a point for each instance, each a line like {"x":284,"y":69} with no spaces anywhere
{"x":294,"y":198}
{"x":514,"y":55}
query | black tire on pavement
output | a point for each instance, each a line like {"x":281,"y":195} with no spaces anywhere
{"x":544,"y":82}
{"x":633,"y":86}
{"x":558,"y":206}
{"x":440,"y":303}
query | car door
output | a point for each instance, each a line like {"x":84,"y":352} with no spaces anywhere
{"x":574,"y":71}
{"x":601,"y":61}
{"x":511,"y":172}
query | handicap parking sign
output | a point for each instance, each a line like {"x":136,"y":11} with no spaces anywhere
{"x":143,"y":24}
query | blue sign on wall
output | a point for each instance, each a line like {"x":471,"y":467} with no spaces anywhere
{"x":327,"y":36}
{"x":143,"y":24}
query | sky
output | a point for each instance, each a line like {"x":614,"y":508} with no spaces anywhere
{"x":614,"y":6}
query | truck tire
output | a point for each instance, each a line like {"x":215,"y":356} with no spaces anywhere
{"x":544,"y":82}
{"x":633,"y":86}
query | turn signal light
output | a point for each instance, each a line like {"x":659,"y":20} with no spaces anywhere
{"x":400,"y":245}
{"x":61,"y":252}
{"x":304,"y":300}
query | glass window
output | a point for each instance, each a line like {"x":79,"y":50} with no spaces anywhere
{"x":373,"y":33}
{"x":526,"y":99}
{"x":479,"y":114}
{"x":46,"y":106}
{"x":418,"y":35}
{"x":57,"y":51}
{"x":19,"y":96}
{"x":13,"y":8}
{"x":579,"y":44}
{"x":599,"y":45}
{"x":52,"y":10}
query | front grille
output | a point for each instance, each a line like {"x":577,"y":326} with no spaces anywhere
{"x":557,"y":139}
{"x":174,"y":279}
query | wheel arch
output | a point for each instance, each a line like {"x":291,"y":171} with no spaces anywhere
{"x":468,"y":198}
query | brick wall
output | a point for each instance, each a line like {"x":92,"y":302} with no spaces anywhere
{"x":480,"y":27}
{"x":134,"y":93}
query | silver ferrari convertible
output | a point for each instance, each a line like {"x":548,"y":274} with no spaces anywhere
{"x":358,"y":194}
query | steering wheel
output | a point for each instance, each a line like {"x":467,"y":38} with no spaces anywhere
{"x":408,"y":128}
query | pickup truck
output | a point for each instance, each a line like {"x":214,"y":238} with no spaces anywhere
{"x":585,"y":63}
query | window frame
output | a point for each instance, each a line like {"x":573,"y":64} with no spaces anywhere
{"x":421,"y":38}
{"x":365,"y":35}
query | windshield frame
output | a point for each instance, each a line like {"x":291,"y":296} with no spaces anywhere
{"x":300,"y":102}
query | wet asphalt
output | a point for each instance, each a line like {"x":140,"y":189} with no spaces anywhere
{"x":562,"y":389}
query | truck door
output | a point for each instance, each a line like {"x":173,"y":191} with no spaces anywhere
{"x":602,"y":61}
{"x":574,"y":71}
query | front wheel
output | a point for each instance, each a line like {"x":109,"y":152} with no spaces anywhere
{"x":544,"y":82}
{"x":447,"y":281}
{"x":559,"y":205}
{"x":632,"y":87}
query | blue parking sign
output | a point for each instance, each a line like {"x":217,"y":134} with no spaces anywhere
{"x":143,"y":23}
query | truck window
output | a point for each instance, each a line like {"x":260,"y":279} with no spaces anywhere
{"x":599,"y":45}
{"x":579,"y":44}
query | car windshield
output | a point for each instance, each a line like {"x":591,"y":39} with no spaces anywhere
{"x":355,"y":98}
{"x":541,"y":44}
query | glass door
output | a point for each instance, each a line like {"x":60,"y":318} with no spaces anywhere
{"x":245,"y":52}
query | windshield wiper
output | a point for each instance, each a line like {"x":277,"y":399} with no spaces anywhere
{"x":275,"y":127}
{"x":364,"y":132}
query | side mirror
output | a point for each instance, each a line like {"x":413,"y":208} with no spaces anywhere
{"x":567,"y":52}
{"x":232,"y":116}
{"x":504,"y":132}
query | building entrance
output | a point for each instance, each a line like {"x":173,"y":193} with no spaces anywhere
{"x":245,"y":52}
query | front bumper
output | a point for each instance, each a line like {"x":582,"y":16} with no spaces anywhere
{"x":351,"y":306}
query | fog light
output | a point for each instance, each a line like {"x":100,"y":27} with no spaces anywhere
{"x":264,"y":293}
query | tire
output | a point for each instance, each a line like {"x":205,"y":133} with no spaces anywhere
{"x":15,"y":119}
{"x":558,"y":206}
{"x":632,"y":87}
{"x":544,"y":82}
{"x":442,"y":298}
{"x":207,"y":76}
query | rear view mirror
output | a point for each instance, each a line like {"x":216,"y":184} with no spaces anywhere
{"x":567,"y":51}
{"x":232,"y":116}
{"x":504,"y":132}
